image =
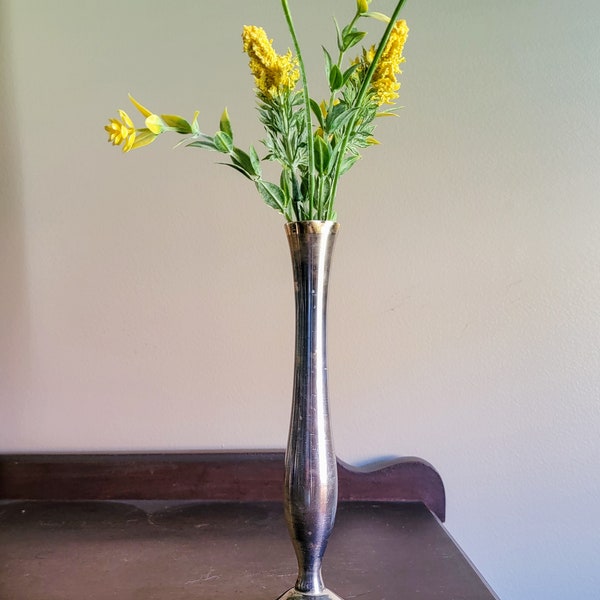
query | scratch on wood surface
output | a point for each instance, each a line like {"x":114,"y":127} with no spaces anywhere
{"x":207,"y":577}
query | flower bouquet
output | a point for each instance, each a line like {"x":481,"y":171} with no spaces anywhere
{"x":314,"y":142}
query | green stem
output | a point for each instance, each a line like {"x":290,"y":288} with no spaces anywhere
{"x":339,"y":62}
{"x":290,"y":159}
{"x":308,"y":120}
{"x":358,"y":101}
{"x":382,"y":44}
{"x":341,"y":55}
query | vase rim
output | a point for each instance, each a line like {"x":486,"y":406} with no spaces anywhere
{"x":313,"y":226}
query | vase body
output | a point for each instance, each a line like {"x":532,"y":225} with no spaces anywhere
{"x":310,"y":494}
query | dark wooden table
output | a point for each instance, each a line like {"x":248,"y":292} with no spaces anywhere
{"x":213,"y":549}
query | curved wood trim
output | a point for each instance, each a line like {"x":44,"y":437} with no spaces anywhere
{"x":233,"y":476}
{"x":407,"y":479}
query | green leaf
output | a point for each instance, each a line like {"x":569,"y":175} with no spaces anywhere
{"x":225,"y":124}
{"x":377,"y":15}
{"x":335,"y":78}
{"x":348,"y":162}
{"x":223,"y":142}
{"x":246,"y":162}
{"x":322,"y":155}
{"x":317,"y":110}
{"x":348,"y":73}
{"x":238,"y":169}
{"x":328,"y":62}
{"x":347,"y":30}
{"x":272,"y":194}
{"x":339,"y":117}
{"x":177,"y":122}
{"x":351,"y":37}
{"x":284,"y":183}
{"x":241,"y":159}
{"x":297,"y":193}
{"x":255,"y":160}
{"x":207,"y":143}
{"x":340,"y":42}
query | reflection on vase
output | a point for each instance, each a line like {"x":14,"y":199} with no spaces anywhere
{"x":310,"y":496}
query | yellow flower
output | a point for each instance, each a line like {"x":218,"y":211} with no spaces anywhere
{"x":273,"y":74}
{"x":121,"y":131}
{"x":124,"y":131}
{"x":153,"y":122}
{"x":362,"y":6}
{"x":384,"y":79}
{"x":368,"y":56}
{"x":323,"y":106}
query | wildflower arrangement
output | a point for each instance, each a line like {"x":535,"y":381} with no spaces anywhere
{"x":314,"y":143}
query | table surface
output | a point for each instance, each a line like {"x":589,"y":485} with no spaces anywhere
{"x":223,"y":550}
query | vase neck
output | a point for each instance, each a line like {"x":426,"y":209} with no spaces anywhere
{"x":311,"y":227}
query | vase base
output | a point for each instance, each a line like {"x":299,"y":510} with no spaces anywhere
{"x":294,"y":594}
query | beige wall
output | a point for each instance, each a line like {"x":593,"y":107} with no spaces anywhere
{"x":146,"y":299}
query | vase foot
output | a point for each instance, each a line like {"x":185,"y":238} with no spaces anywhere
{"x":294,"y":594}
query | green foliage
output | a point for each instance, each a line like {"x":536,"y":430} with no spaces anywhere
{"x":313,"y":143}
{"x":179,"y":124}
{"x":225,"y":124}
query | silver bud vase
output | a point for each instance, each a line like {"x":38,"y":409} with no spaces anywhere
{"x":311,"y":487}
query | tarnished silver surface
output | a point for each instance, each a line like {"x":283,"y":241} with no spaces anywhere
{"x":310,"y":465}
{"x":294,"y":594}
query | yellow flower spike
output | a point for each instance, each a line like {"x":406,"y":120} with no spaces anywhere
{"x":273,"y":74}
{"x":384,"y":79}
